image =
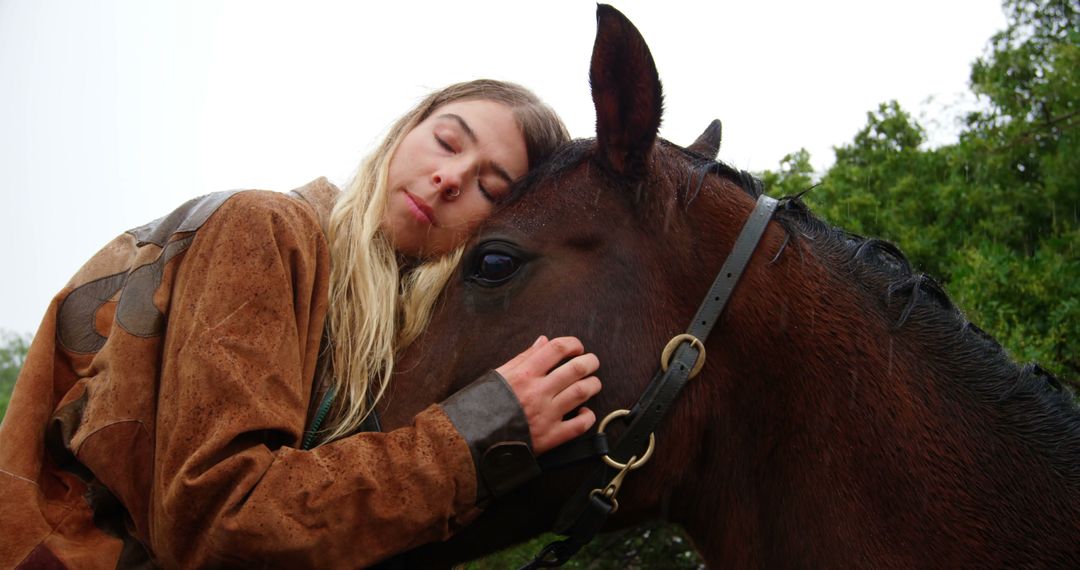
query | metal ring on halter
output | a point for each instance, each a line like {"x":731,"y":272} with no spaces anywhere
{"x":632,"y":464}
{"x":665,"y":357}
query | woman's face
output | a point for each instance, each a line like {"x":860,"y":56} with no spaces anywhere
{"x":447,"y":174}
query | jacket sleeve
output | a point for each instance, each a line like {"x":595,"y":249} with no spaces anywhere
{"x":230,"y":487}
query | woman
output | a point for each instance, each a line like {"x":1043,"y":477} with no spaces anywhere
{"x":161,"y":414}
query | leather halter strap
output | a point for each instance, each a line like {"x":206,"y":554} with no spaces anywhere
{"x":585,"y":513}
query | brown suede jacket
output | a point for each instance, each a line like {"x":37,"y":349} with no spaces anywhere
{"x":158,"y":417}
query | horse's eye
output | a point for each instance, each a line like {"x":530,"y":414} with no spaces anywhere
{"x":495,"y":268}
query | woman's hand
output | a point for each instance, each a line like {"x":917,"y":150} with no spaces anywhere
{"x":547,"y":395}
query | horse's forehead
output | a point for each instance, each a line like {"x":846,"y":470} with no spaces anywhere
{"x":583,"y":193}
{"x":565,"y":197}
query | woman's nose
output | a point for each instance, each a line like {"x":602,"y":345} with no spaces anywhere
{"x":447,"y":182}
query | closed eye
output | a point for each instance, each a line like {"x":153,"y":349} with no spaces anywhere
{"x":485,"y":193}
{"x":446,"y":146}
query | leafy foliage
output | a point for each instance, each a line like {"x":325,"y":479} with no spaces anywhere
{"x":995,"y":216}
{"x":796,"y":175}
{"x":13,"y":349}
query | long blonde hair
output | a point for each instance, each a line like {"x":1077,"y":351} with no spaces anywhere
{"x":376,"y":309}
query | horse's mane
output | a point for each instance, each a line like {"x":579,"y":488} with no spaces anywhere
{"x":1041,"y":408}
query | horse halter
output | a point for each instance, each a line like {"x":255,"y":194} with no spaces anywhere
{"x":584,"y":515}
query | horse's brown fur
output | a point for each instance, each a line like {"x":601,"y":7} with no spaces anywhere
{"x":847,"y":415}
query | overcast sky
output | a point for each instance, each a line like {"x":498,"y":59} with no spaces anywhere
{"x":113,"y":112}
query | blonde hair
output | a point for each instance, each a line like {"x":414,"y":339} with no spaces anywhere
{"x":376,"y":309}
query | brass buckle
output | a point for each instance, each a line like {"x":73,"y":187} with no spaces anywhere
{"x":665,"y":357}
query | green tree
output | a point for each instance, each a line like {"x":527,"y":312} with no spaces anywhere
{"x":994,"y":217}
{"x":1022,"y":280}
{"x":13,"y":348}
{"x":884,"y":184}
{"x":795,"y":175}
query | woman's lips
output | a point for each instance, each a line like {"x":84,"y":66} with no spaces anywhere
{"x":420,"y":210}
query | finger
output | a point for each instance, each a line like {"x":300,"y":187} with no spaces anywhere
{"x":575,"y":395}
{"x":569,"y":429}
{"x":517,"y":360}
{"x":571,"y":371}
{"x":553,"y":352}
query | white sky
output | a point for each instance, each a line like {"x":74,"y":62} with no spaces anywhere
{"x":113,"y":112}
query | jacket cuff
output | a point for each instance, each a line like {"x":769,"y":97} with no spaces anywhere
{"x":489,"y":417}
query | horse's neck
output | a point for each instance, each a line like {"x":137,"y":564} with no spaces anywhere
{"x":843,"y":446}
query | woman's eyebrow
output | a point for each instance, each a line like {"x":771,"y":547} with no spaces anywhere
{"x":464,"y":126}
{"x":499,"y":170}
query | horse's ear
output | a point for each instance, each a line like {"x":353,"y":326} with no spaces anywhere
{"x":626,"y":92}
{"x":708,"y":143}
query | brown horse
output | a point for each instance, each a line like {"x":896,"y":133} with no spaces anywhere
{"x":848,"y":415}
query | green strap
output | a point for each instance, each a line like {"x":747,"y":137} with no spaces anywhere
{"x":324,"y":408}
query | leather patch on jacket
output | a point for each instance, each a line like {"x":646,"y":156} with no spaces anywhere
{"x":75,"y":320}
{"x":190,"y":216}
{"x":136,"y":312}
{"x":489,"y":417}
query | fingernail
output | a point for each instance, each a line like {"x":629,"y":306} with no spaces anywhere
{"x":538,"y":339}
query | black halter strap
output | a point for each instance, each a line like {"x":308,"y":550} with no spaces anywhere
{"x":587,"y":510}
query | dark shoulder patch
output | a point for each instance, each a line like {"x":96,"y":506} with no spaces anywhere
{"x":75,"y":318}
{"x":187,"y":218}
{"x":135,"y":312}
